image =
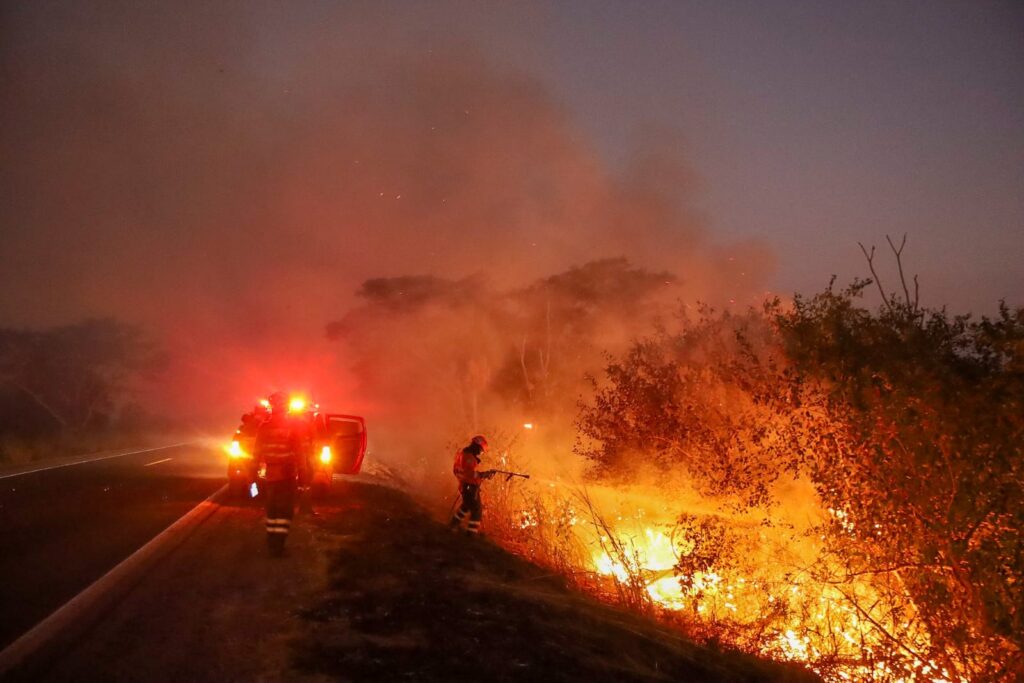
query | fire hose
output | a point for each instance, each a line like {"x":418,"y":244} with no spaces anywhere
{"x":508,"y":475}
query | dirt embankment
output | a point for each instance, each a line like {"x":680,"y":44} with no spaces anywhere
{"x":373,"y":589}
{"x":407,"y":600}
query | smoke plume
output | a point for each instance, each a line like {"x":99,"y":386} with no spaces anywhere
{"x":228,"y":175}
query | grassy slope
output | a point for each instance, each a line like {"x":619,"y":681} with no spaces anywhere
{"x":410,"y":601}
{"x":372,"y":589}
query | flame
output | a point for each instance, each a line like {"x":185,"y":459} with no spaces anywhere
{"x":762,"y":596}
{"x":819,"y":613}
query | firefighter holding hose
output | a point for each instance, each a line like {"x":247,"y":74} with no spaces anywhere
{"x":281,"y":451}
{"x":465,"y":469}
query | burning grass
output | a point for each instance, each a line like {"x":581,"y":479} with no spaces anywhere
{"x":825,"y":483}
{"x":768,"y":586}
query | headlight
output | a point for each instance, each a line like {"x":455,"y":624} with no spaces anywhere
{"x":325,"y":455}
{"x":235,"y":450}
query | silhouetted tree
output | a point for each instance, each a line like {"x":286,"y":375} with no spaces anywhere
{"x":80,"y":375}
{"x":424,"y":342}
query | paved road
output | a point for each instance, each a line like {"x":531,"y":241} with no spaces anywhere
{"x":372,"y":589}
{"x":63,"y":528}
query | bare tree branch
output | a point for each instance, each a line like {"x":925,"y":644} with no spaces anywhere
{"x":547,"y":340}
{"x":526,"y":374}
{"x":899,"y":265}
{"x":38,"y":399}
{"x":871,"y":265}
{"x":867,"y":615}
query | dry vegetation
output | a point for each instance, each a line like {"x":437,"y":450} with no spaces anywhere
{"x":816,"y":481}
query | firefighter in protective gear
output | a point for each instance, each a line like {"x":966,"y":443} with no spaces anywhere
{"x":465,"y":470}
{"x":251,"y":421}
{"x":279,"y":450}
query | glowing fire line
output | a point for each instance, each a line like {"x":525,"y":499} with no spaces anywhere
{"x":654,"y":558}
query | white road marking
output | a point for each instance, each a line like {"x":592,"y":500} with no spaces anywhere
{"x":84,"y":607}
{"x":96,"y":459}
{"x":157,"y":462}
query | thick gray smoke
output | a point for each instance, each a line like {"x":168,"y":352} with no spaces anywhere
{"x":228,"y":174}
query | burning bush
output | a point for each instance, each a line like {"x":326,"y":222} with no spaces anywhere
{"x":815,"y":481}
{"x":927,"y":467}
{"x":908,"y":424}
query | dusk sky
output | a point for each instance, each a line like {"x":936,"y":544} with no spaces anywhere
{"x":814,"y":125}
{"x":160,"y":152}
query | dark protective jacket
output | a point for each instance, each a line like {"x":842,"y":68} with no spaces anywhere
{"x":280,"y":445}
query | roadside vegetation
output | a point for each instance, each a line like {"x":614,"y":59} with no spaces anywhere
{"x":812,"y":480}
{"x":907,"y":426}
{"x":417,"y":603}
{"x":73,"y":389}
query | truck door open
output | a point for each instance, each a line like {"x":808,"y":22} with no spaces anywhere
{"x":347,"y":437}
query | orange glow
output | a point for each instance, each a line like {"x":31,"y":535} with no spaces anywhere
{"x":234,"y":450}
{"x":821,"y":620}
{"x":325,"y":455}
{"x":634,"y":547}
{"x":297,"y":404}
{"x":265,"y":403}
{"x":528,"y":425}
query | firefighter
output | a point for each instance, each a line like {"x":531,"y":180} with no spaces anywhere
{"x":251,"y":421}
{"x":465,"y":470}
{"x":280,"y":450}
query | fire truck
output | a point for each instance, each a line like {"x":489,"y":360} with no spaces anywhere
{"x":337,"y":445}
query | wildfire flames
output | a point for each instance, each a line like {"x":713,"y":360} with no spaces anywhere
{"x":823,"y":626}
{"x":765,"y":597}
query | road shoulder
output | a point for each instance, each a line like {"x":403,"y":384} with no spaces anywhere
{"x":216,"y":609}
{"x":373,"y":589}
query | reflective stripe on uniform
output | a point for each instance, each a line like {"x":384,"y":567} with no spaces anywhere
{"x":278,"y":525}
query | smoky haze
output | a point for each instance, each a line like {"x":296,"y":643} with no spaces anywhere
{"x":227,"y":176}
